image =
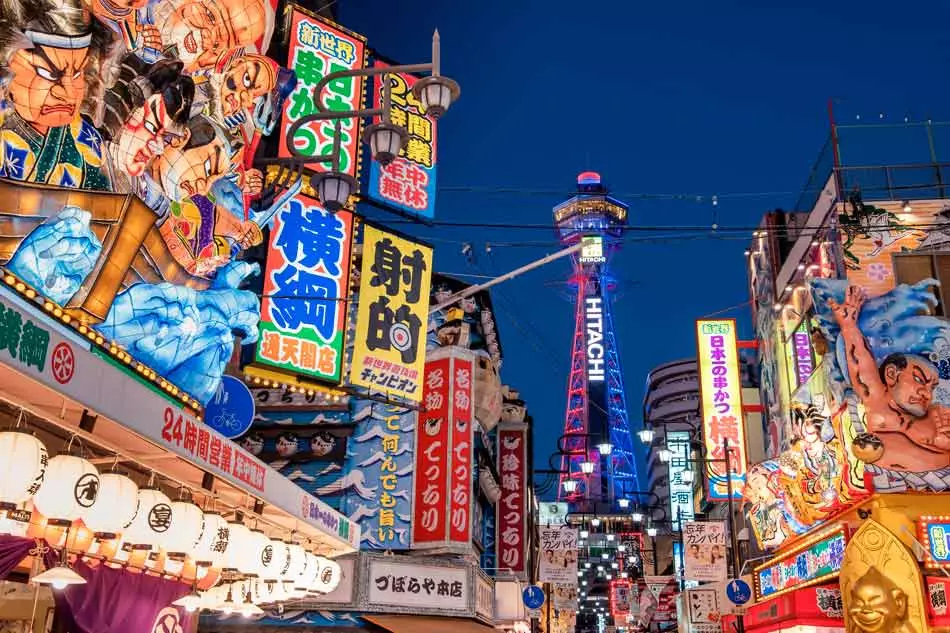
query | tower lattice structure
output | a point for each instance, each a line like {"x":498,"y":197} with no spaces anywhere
{"x":596,"y":401}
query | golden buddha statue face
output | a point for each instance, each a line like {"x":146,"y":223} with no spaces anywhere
{"x":877,"y":604}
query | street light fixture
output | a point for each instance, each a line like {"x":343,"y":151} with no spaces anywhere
{"x":570,"y":485}
{"x":646,"y":435}
{"x":605,"y":448}
{"x":665,"y":455}
{"x":386,"y":140}
{"x":595,"y":522}
{"x":623,"y":503}
{"x":637,"y":517}
{"x":687,"y":476}
{"x":584,"y":534}
{"x":651,"y":531}
{"x":587,"y":467}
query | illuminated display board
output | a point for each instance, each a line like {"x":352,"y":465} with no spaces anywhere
{"x":681,"y":493}
{"x":935,"y":535}
{"x":721,"y":391}
{"x":318,"y":48}
{"x":408,"y":184}
{"x":594,"y":320}
{"x":590,"y":206}
{"x":813,"y":562}
{"x":306,"y":282}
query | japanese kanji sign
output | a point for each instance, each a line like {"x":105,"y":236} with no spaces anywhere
{"x":558,"y":555}
{"x":817,"y":561}
{"x":318,"y":48}
{"x":512,"y":506}
{"x":398,"y":586}
{"x":389,"y":350}
{"x":681,"y":493}
{"x":442,"y":513}
{"x":935,"y":536}
{"x":306,"y":283}
{"x":721,"y":390}
{"x":408,"y":183}
{"x":704,"y":548}
{"x":620,"y":597}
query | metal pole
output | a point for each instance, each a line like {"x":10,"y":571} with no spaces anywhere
{"x":679,"y":524}
{"x":733,"y":541}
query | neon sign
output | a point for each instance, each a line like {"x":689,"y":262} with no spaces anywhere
{"x":594,"y":316}
{"x":815,"y":562}
{"x":935,"y":535}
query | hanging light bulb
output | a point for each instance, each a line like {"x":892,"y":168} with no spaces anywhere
{"x":190,"y":603}
{"x":70,"y":487}
{"x":23,"y":464}
{"x":115,"y":505}
{"x":228,"y":605}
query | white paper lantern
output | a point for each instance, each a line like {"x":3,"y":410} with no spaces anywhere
{"x":258,"y":545}
{"x":149,"y":528}
{"x":212,"y":547}
{"x":23,"y":463}
{"x":296,"y":563}
{"x":308,"y":577}
{"x":70,"y":488}
{"x":329,"y":576}
{"x":274,"y":561}
{"x":185,"y":530}
{"x":115,"y":507}
{"x":239,"y":555}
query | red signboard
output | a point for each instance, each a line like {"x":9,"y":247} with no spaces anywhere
{"x":621,"y":593}
{"x":460,"y":530}
{"x":818,"y":605}
{"x":432,"y":457}
{"x":512,"y":506}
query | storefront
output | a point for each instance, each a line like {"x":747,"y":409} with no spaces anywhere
{"x":84,"y":420}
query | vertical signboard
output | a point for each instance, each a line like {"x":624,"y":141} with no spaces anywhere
{"x":461,"y":484}
{"x":800,"y":350}
{"x":408,"y":184}
{"x":389,"y":350}
{"x":512,"y":506}
{"x":681,"y":493}
{"x":558,"y":555}
{"x":433,"y":434}
{"x":316,"y":49}
{"x":382,"y":448}
{"x":444,"y":459}
{"x":598,"y":423}
{"x":306,"y":282}
{"x":721,"y":392}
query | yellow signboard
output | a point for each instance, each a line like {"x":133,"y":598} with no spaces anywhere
{"x":721,"y":391}
{"x":389,"y":350}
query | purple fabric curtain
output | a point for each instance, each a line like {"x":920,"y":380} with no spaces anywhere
{"x":13,"y":549}
{"x":120,"y":601}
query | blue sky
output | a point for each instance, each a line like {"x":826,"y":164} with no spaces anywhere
{"x":690,"y":97}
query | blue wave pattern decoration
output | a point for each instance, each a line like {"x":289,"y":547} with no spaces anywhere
{"x":58,"y":255}
{"x":287,"y":618}
{"x":186,"y":335}
{"x":892,"y":323}
{"x":378,"y":474}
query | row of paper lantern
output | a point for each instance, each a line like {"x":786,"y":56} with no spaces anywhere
{"x":66,"y":488}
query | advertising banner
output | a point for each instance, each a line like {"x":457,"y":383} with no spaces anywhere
{"x":381,"y":449}
{"x":565,"y":596}
{"x":444,"y":437}
{"x":702,"y":606}
{"x":558,"y":555}
{"x":721,"y":394}
{"x":512,"y":506}
{"x":316,"y":49}
{"x":306,"y":284}
{"x":389,"y":349}
{"x":704,"y":545}
{"x":620,"y":599}
{"x":810,"y":564}
{"x":408,"y":184}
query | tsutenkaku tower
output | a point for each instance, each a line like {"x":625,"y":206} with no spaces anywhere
{"x":597,"y":430}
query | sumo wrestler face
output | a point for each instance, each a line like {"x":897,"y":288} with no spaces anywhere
{"x":48,"y":84}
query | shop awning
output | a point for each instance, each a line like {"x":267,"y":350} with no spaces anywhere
{"x":427,"y":624}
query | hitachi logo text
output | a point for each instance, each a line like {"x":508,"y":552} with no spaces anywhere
{"x":594,"y":317}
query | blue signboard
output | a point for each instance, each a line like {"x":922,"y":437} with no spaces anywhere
{"x":230,"y":411}
{"x":533,"y":596}
{"x":377,"y":476}
{"x":738,"y":591}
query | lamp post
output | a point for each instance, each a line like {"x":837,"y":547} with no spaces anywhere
{"x":435,"y":92}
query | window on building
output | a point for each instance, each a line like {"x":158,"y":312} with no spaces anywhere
{"x":912,"y":268}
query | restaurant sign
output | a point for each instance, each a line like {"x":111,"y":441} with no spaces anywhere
{"x":813,"y":562}
{"x":389,"y":585}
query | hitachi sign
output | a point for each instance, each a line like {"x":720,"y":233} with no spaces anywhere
{"x":594,"y":316}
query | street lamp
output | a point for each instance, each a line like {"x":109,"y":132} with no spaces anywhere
{"x":665,"y":455}
{"x":637,"y":517}
{"x":686,"y":476}
{"x":605,"y":448}
{"x":651,"y":530}
{"x":646,"y":435}
{"x":570,"y":485}
{"x":587,"y":467}
{"x":386,"y":140}
{"x":623,"y":503}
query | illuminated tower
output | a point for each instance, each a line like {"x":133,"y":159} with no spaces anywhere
{"x":597,"y":431}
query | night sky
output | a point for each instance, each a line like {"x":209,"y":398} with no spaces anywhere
{"x":682,"y":100}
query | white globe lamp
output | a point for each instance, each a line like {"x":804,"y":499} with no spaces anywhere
{"x":185,"y":530}
{"x":149,"y":527}
{"x":212,"y":547}
{"x":70,"y":488}
{"x":115,"y":507}
{"x":23,"y":463}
